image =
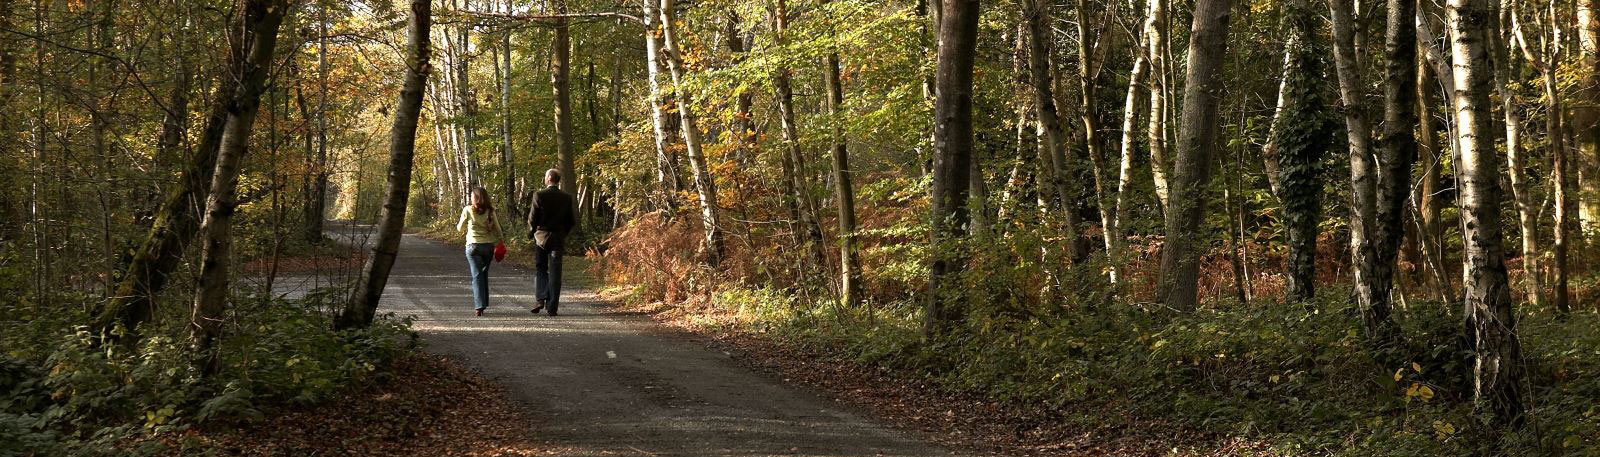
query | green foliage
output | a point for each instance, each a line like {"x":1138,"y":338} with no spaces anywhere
{"x":1301,"y":380}
{"x":72,"y":396}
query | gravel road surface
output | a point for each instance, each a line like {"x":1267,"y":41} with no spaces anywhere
{"x":604,"y":384}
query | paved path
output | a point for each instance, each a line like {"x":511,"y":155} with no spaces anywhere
{"x":602,"y":384}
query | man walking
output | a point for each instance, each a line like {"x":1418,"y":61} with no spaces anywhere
{"x":551,"y":220}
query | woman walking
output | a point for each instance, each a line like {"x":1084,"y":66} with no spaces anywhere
{"x":483,"y":233}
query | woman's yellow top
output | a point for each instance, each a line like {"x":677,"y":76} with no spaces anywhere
{"x":480,"y":228}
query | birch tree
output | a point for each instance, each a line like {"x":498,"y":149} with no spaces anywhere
{"x":1490,"y":315}
{"x":363,"y":303}
{"x":710,"y":213}
{"x":259,"y":20}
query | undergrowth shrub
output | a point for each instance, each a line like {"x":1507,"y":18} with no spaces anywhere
{"x":656,"y":256}
{"x":64,"y":394}
{"x":1039,"y":329}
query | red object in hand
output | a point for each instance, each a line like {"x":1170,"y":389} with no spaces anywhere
{"x":500,"y":251}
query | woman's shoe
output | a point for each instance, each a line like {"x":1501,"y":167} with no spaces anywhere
{"x":480,"y":311}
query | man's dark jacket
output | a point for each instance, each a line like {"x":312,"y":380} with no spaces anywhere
{"x":552,"y":219}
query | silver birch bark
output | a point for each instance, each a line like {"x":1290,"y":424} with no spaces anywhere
{"x":1496,"y":352}
{"x":1363,"y":192}
{"x":705,"y":186}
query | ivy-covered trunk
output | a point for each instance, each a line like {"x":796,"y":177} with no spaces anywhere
{"x":1302,"y":135}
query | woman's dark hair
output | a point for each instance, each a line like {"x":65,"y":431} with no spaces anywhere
{"x":480,"y":201}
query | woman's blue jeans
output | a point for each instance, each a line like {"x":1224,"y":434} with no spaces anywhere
{"x":479,"y":256}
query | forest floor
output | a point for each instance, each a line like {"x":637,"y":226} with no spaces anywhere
{"x":959,"y":420}
{"x":596,"y":381}
{"x":431,"y":406}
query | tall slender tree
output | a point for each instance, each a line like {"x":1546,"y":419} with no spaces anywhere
{"x":1197,"y":143}
{"x":1301,"y":136}
{"x":1398,"y":146}
{"x":952,"y":158}
{"x":705,"y":185}
{"x":796,"y":182}
{"x":666,"y":160}
{"x":1586,"y":117}
{"x":1091,"y":49}
{"x":1490,"y":315}
{"x":363,"y":303}
{"x":561,"y":83}
{"x":316,"y":196}
{"x":1544,"y":58}
{"x":1155,"y":32}
{"x":259,"y":22}
{"x":1054,"y":171}
{"x":508,"y":170}
{"x":1505,"y":64}
{"x":1363,"y":192}
{"x":1131,"y":108}
{"x":843,"y":190}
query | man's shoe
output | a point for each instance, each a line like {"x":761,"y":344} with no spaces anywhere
{"x":537,"y":307}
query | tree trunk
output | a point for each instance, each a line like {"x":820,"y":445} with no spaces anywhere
{"x":560,"y":81}
{"x":666,"y":160}
{"x":1586,"y":117}
{"x":12,"y":218}
{"x":317,"y":196}
{"x":467,"y":107}
{"x":744,"y":121}
{"x":1505,"y":64}
{"x":1561,"y":182}
{"x":1089,"y":63}
{"x":1301,"y":136}
{"x":132,"y":301}
{"x":1399,"y":151}
{"x":1116,"y":237}
{"x":1052,"y":141}
{"x":1017,"y":179}
{"x":953,"y":144}
{"x":1363,"y":192}
{"x":1563,"y":193}
{"x":703,"y":180}
{"x":1197,"y":142}
{"x":363,"y":304}
{"x":616,"y":82}
{"x":797,"y":184}
{"x":1430,"y":230}
{"x":843,"y":191}
{"x":1269,"y":152}
{"x":260,"y":20}
{"x":1155,"y":31}
{"x":1436,"y":64}
{"x":1490,"y":314}
{"x":508,"y":170}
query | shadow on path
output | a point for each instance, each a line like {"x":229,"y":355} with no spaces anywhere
{"x":604,"y":384}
